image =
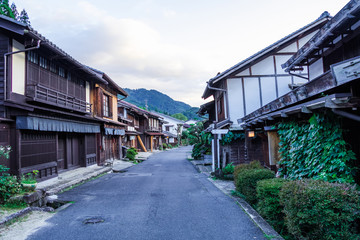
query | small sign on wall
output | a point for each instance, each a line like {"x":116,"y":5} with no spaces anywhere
{"x":346,"y":71}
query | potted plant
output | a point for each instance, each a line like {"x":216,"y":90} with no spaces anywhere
{"x":29,"y":180}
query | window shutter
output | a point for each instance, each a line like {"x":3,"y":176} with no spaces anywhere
{"x":110,"y":106}
{"x":99,"y":103}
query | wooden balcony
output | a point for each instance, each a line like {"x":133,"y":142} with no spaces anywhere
{"x":153,"y":129}
{"x":40,"y":93}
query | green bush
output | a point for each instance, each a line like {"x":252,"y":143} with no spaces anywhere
{"x":131,"y":153}
{"x":268,"y":206}
{"x":315,"y":209}
{"x":165,"y":146}
{"x":247,"y":180}
{"x":228,"y":169}
{"x":9,"y":185}
{"x":246,"y":166}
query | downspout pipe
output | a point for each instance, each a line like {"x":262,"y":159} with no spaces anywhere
{"x":5,"y":63}
{"x":347,"y":115}
{"x":216,"y":89}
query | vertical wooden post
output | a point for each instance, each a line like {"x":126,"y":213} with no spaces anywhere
{"x":151,"y":143}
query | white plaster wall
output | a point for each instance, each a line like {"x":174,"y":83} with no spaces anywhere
{"x":283,"y":85}
{"x":235,"y":96}
{"x":252,"y":94}
{"x":268,"y":89}
{"x":316,"y":69}
{"x":306,"y":38}
{"x":87,"y":92}
{"x":291,"y":48}
{"x":246,"y":72}
{"x":281,"y":60}
{"x":265,"y":66}
{"x":18,"y":69}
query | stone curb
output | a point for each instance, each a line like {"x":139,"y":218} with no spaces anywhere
{"x":62,"y":187}
{"x":254,"y":215}
{"x":24,"y":212}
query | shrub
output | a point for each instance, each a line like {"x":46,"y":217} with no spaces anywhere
{"x":247,"y":180}
{"x":228,"y":169}
{"x":315,"y":209}
{"x":268,"y":206}
{"x":246,"y":166}
{"x":165,"y":146}
{"x":8,"y":184}
{"x":131,"y":153}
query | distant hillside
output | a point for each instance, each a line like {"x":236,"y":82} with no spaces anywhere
{"x":159,"y":102}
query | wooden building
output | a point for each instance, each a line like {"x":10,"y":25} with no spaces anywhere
{"x":104,"y":98}
{"x":250,"y":84}
{"x":331,"y":59}
{"x":46,"y":114}
{"x":131,"y":115}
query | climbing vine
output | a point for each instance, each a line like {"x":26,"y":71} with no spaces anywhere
{"x":230,"y":137}
{"x":315,"y":149}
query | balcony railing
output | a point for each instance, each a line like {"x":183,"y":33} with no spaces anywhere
{"x":153,"y":129}
{"x":46,"y":95}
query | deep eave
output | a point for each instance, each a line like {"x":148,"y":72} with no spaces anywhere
{"x":337,"y":25}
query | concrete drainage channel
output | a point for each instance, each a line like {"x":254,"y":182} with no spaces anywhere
{"x":52,"y":205}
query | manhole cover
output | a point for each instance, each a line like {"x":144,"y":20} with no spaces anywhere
{"x":93,"y":220}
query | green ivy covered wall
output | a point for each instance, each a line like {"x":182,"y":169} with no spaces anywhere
{"x":316,"y":149}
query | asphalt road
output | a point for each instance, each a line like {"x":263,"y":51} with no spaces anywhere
{"x":161,"y":198}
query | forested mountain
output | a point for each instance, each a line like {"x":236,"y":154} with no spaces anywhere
{"x":157,"y":101}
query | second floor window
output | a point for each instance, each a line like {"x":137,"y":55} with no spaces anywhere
{"x":61,"y":72}
{"x":33,"y":57}
{"x":53,"y":67}
{"x":43,"y":62}
{"x":107,"y":106}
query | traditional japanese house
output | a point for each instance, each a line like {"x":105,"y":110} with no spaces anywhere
{"x":152,"y":134}
{"x":131,"y":115}
{"x":172,"y":129}
{"x":104,"y":98}
{"x":250,"y":84}
{"x":45,"y":107}
{"x":144,"y":128}
{"x":331,"y":59}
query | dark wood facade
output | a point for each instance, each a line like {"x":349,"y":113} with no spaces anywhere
{"x":46,"y":114}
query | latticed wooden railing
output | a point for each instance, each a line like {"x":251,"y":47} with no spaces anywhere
{"x":50,"y":96}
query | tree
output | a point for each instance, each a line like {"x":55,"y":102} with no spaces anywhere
{"x":14,"y":11}
{"x":6,"y":10}
{"x":24,"y":18}
{"x":180,"y":116}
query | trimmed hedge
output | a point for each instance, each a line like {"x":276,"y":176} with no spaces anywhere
{"x":247,"y":180}
{"x":316,"y":209}
{"x":268,"y":206}
{"x":246,"y":166}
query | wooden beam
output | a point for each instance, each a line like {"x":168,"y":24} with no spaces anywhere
{"x":304,"y":109}
{"x":151,"y":142}
{"x":141,"y":143}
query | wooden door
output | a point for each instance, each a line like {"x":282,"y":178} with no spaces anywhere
{"x":61,"y":152}
{"x":75,"y":151}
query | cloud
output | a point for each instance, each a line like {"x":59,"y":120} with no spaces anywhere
{"x":133,"y":53}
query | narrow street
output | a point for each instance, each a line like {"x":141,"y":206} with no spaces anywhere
{"x":161,"y":198}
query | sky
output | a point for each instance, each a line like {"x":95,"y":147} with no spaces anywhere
{"x":172,"y":46}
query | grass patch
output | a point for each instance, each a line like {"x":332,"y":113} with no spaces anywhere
{"x":237,"y":194}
